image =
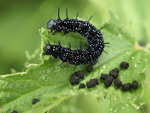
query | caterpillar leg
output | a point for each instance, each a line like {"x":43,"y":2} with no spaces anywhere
{"x":75,"y":67}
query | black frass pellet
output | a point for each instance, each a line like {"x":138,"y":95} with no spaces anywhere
{"x":124,"y":65}
{"x":74,"y":79}
{"x":114,"y":73}
{"x":108,"y":81}
{"x":94,"y":80}
{"x":103,"y":76}
{"x":117,"y":83}
{"x":135,"y":84}
{"x":34,"y":101}
{"x":14,"y":111}
{"x":89,"y":68}
{"x":80,"y":74}
{"x":126,"y":87}
{"x":116,"y":70}
{"x":92,"y":83}
{"x":82,"y":85}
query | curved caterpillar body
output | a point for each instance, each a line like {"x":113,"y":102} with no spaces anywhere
{"x":89,"y":55}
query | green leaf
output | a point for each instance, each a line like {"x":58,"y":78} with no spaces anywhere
{"x":49,"y":81}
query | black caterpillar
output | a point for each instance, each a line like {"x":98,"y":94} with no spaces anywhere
{"x":89,"y":55}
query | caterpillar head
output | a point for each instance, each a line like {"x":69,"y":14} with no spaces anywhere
{"x":51,"y":24}
{"x":47,"y":49}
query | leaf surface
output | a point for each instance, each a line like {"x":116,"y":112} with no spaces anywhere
{"x":49,"y":81}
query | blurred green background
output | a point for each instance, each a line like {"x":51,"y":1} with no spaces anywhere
{"x":19,"y":36}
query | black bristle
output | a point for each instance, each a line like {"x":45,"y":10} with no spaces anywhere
{"x":82,"y":85}
{"x":58,"y":13}
{"x":77,"y":16}
{"x":135,"y":84}
{"x":117,"y":83}
{"x":126,"y":87}
{"x":124,"y":65}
